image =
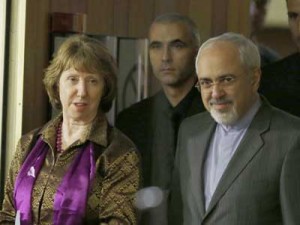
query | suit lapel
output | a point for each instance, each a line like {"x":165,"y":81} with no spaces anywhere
{"x":248,"y":148}
{"x":197,"y":157}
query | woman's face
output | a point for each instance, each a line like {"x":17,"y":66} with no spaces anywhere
{"x":80,"y":95}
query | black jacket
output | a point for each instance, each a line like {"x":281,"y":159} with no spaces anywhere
{"x":280,"y":84}
{"x":149,"y":125}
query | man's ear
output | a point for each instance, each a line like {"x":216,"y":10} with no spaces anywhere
{"x":256,"y":78}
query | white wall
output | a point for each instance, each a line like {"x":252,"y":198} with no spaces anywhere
{"x":2,"y":49}
{"x":16,"y":77}
{"x":277,"y":14}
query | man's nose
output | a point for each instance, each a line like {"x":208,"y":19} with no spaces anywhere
{"x":166,"y":54}
{"x":217,"y":91}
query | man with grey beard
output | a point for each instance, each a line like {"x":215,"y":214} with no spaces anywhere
{"x":241,"y":166}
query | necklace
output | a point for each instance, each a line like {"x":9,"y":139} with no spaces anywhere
{"x":59,"y":138}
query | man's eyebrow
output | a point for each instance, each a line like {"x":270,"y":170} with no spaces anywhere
{"x":154,"y":43}
{"x":178,"y":41}
{"x":175,"y":41}
{"x":204,"y":79}
{"x":207,"y":77}
{"x":227,"y":75}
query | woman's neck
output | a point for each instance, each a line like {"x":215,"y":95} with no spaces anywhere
{"x":73,"y":131}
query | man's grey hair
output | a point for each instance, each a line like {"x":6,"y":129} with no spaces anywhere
{"x":178,"y":18}
{"x":249,"y":54}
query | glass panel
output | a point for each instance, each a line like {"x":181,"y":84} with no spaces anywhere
{"x":133,"y":72}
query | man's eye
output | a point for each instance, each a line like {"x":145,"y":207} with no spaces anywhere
{"x":154,"y":46}
{"x":178,"y":45}
{"x":292,"y":15}
{"x":228,"y":79}
{"x":205,"y":83}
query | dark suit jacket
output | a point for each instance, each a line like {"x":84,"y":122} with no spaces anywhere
{"x":280,"y":84}
{"x":261,"y":184}
{"x":267,"y":55}
{"x":147,"y":124}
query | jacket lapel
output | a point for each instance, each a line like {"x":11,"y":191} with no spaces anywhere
{"x":197,"y":157}
{"x":248,"y":148}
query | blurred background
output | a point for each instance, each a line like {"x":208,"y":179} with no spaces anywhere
{"x":31,"y":31}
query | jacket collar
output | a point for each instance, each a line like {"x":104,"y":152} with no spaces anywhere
{"x":96,"y":133}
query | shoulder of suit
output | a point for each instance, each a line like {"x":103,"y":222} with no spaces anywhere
{"x":197,"y":119}
{"x":28,"y":137}
{"x":282,"y":64}
{"x":122,"y":141}
{"x":286,"y":119}
{"x":138,"y":109}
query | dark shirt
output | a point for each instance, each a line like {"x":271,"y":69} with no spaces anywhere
{"x":152,"y":125}
{"x":280,"y":84}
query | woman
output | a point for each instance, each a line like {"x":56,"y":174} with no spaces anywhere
{"x":76,"y":169}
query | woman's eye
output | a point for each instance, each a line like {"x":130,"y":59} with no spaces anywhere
{"x":93,"y":81}
{"x":72,"y":79}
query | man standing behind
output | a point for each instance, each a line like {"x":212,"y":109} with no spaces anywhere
{"x":153,"y":123}
{"x":281,"y":80}
{"x":238,"y":163}
{"x":258,"y":12}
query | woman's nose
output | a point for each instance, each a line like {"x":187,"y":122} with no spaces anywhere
{"x":81,"y":89}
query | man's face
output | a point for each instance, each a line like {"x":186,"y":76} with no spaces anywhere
{"x":227,"y":90}
{"x":172,"y":53}
{"x":293,"y":7}
{"x":257,"y":16}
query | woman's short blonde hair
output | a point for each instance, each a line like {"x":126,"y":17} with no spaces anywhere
{"x":84,"y":54}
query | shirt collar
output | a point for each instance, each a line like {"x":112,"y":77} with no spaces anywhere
{"x":96,"y":133}
{"x":182,"y":107}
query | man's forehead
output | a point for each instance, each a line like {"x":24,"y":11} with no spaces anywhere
{"x":221,"y":46}
{"x":221,"y":56}
{"x":168,"y":32}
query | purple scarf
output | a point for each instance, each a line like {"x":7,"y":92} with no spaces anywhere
{"x":71,"y":195}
